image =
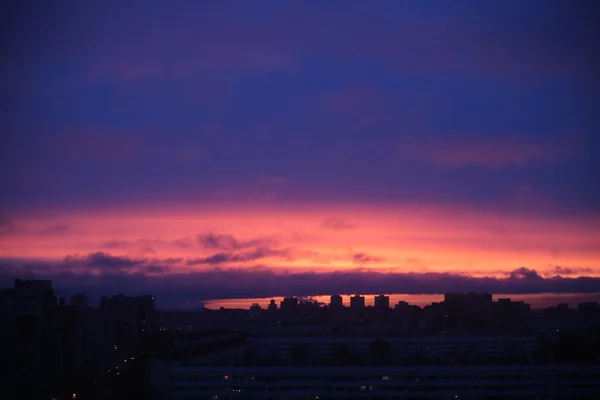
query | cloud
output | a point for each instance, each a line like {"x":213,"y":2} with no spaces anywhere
{"x":173,"y":290}
{"x":401,"y":39}
{"x":215,"y":259}
{"x":524,"y":273}
{"x":94,"y":144}
{"x":266,"y":188}
{"x":211,"y":240}
{"x":7,"y":226}
{"x":494,"y":152}
{"x":57,"y":229}
{"x":146,"y":250}
{"x":336,"y":224}
{"x":257,"y":254}
{"x":362,"y":258}
{"x":218,"y":241}
{"x":170,"y":260}
{"x":144,"y":245}
{"x":184,"y":243}
{"x":261,"y":248}
{"x":105,"y":260}
{"x":115,"y":244}
{"x":271,"y":181}
{"x":102,"y":264}
{"x":571,"y":270}
{"x":156,"y":269}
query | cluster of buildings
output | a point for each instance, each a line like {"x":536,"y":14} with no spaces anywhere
{"x":55,"y":350}
{"x":401,"y":382}
{"x":452,"y":367}
{"x":467,"y":312}
{"x":466,"y":347}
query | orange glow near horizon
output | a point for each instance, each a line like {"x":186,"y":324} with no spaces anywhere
{"x":319,"y":238}
{"x":536,"y":300}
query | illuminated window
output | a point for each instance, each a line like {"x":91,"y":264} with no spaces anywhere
{"x":226,"y":377}
{"x":386,"y":378}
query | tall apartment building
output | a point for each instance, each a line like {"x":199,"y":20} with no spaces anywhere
{"x":28,"y":342}
{"x":382,"y":302}
{"x":336,"y":301}
{"x":357,"y":302}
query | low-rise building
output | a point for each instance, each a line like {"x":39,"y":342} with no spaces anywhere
{"x":188,"y":380}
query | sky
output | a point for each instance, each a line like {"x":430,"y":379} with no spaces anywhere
{"x":206,"y":150}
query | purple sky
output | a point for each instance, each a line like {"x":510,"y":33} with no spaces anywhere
{"x":487,"y":105}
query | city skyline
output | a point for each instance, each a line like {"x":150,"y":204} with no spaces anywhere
{"x":196,"y":152}
{"x":420,"y":299}
{"x":333,"y":301}
{"x":537,"y":301}
{"x":125,"y":346}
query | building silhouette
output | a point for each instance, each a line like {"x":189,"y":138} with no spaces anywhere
{"x":382,"y":302}
{"x":336,"y":301}
{"x":466,"y":346}
{"x":357,"y":302}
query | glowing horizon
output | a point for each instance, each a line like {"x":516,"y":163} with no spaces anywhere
{"x":536,"y":300}
{"x":395,"y":239}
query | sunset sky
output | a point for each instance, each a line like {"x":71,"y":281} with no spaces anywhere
{"x":204,"y":150}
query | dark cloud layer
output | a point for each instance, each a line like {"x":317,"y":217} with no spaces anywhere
{"x":524,"y":273}
{"x":254,"y":255}
{"x":103,"y":260}
{"x":211,"y":240}
{"x":562,"y":270}
{"x":362,"y":258}
{"x":135,"y":276}
{"x":234,"y":250}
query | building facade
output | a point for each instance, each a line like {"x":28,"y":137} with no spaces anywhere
{"x":187,"y":381}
